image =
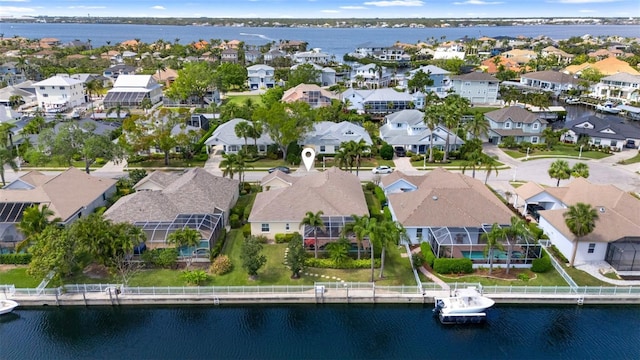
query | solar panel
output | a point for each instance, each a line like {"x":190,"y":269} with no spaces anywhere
{"x":12,"y":212}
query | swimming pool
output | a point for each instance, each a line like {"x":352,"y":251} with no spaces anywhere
{"x":479,"y":255}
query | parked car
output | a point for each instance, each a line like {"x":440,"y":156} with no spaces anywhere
{"x":400,"y":151}
{"x":284,"y":169}
{"x":384,"y":169}
{"x":631,"y":144}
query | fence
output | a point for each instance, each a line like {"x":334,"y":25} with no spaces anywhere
{"x":545,"y":245}
{"x":543,"y":290}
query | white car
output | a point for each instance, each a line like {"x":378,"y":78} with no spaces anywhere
{"x":382,"y":170}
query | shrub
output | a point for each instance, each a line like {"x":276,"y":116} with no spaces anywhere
{"x":380,"y":194}
{"x":558,"y":255}
{"x":217,"y":248}
{"x":246,"y":229}
{"x":370,"y":186}
{"x":165,"y":258}
{"x":349,"y":264}
{"x":386,"y":152}
{"x":429,"y":257}
{"x":541,"y":264}
{"x":418,"y":260}
{"x":453,"y":266}
{"x":262,"y":239}
{"x":285,"y":238}
{"x":234,"y":221}
{"x":15,"y":259}
{"x":387,"y":213}
{"x":523,"y":277}
{"x":221,"y":265}
{"x":195,"y":277}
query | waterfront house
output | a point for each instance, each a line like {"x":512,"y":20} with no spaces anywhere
{"x":610,"y":132}
{"x":616,"y":236}
{"x":562,"y":56}
{"x":406,"y":129}
{"x":489,"y":65}
{"x":620,"y":86}
{"x":260,"y":77}
{"x":477,"y":87}
{"x":516,"y":122}
{"x":282,"y":206}
{"x":370,"y":76}
{"x":225,"y":135}
{"x":36,"y":188}
{"x":378,"y":101}
{"x":608,"y":66}
{"x":326,"y":136}
{"x":326,"y":75}
{"x":520,"y":56}
{"x":311,"y":94}
{"x":554,"y":81}
{"x":314,"y":56}
{"x":131,"y":90}
{"x":113,"y":72}
{"x":450,"y":50}
{"x":381,"y":52}
{"x":441,"y":80}
{"x":451,"y":211}
{"x":167,"y":201}
{"x":58,"y":94}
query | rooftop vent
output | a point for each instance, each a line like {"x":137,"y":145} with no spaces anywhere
{"x":601,"y":209}
{"x":434,"y":198}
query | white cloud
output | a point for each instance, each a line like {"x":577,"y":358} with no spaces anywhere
{"x":330,"y":11}
{"x":478,"y":2}
{"x":395,"y":3}
{"x":159,"y":7}
{"x":353,"y":7}
{"x":10,"y":10}
{"x":584,"y":1}
{"x":15,"y":0}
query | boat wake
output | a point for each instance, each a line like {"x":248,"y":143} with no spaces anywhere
{"x":257,"y":35}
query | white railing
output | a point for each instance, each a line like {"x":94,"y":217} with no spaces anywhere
{"x":85,"y":288}
{"x":217,"y":290}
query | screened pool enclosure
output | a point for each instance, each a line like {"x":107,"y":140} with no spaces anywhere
{"x":468,"y":242}
{"x":624,"y":255}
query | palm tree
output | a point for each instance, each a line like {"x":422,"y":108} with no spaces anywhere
{"x":581,"y":221}
{"x":560,"y":170}
{"x":580,"y":169}
{"x":489,"y":164}
{"x":315,"y":221}
{"x":455,"y":106}
{"x":34,"y":220}
{"x":160,"y":67}
{"x":243,"y":130}
{"x":477,"y":126}
{"x":432,"y":116}
{"x":356,"y":150}
{"x":118,"y":109}
{"x":6,"y":158}
{"x":241,"y":165}
{"x":358,"y":228}
{"x":473,"y":160}
{"x":185,"y":237}
{"x":257,"y":127}
{"x":228,"y":164}
{"x":493,"y":239}
{"x":389,"y":232}
{"x":517,"y":230}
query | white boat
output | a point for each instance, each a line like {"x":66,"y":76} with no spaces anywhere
{"x":7,"y":306}
{"x":463,"y":302}
{"x":572,"y":101}
{"x":608,"y":107}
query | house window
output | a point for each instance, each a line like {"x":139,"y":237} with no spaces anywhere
{"x":322,"y":148}
{"x":419,"y":233}
{"x":61,"y":87}
{"x":535,"y":126}
{"x":507,"y":125}
{"x":534,"y":139}
{"x":614,"y":143}
{"x":264,"y":228}
{"x":41,"y":87}
{"x":592,"y":248}
{"x":597,"y":141}
{"x":286,"y":226}
{"x":518,"y":125}
{"x":45,"y":95}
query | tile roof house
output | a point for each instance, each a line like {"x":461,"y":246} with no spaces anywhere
{"x":281,"y":208}
{"x":164,"y":202}
{"x":616,"y":236}
{"x":489,"y":65}
{"x":130,"y":90}
{"x":406,"y":128}
{"x":520,"y":56}
{"x":477,"y":87}
{"x":326,"y":136}
{"x":312,"y":94}
{"x":450,"y":211}
{"x":35,"y":188}
{"x":612,"y":131}
{"x":517,"y":122}
{"x":608,"y":66}
{"x":562,"y":56}
{"x":549,"y":81}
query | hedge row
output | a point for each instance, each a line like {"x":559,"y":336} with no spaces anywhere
{"x":542,"y":264}
{"x":330,"y":264}
{"x":285,"y":238}
{"x":217,"y":248}
{"x":453,"y":266}
{"x":15,"y":259}
{"x":429,"y":257}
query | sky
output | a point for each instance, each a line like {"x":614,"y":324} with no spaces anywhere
{"x":324,"y":8}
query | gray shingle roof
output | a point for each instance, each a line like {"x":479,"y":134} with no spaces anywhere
{"x":515,"y":114}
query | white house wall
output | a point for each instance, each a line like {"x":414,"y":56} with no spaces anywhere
{"x":565,"y":246}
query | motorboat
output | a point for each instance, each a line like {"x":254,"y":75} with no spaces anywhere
{"x":465,"y":306}
{"x":608,"y":107}
{"x":572,"y":101}
{"x":7,"y":306}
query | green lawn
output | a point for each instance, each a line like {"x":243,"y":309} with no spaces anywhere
{"x":633,"y":160}
{"x":559,"y":150}
{"x":482,"y":110}
{"x":241,"y":99}
{"x":19,"y":277}
{"x":584,"y":279}
{"x":550,"y":278}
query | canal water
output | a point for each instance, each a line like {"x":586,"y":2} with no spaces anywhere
{"x":318,"y":332}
